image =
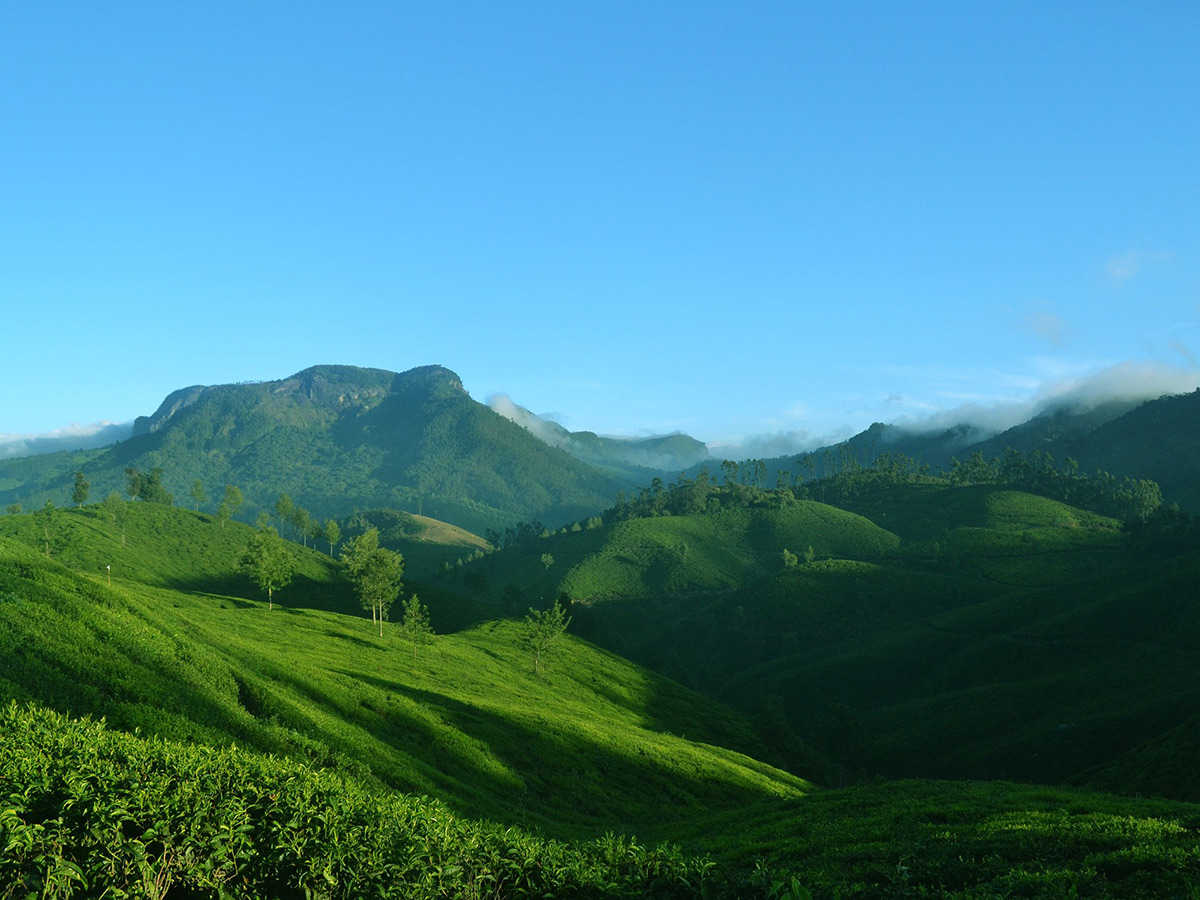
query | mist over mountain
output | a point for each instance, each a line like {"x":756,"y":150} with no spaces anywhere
{"x":939,"y":434}
{"x":668,"y":452}
{"x":73,"y":437}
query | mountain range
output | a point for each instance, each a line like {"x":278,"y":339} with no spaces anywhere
{"x":339,"y":438}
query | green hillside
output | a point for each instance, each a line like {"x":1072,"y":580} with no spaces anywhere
{"x":1021,"y":637}
{"x":181,"y":649}
{"x":337,"y":438}
{"x":650,"y":557}
{"x":328,"y":761}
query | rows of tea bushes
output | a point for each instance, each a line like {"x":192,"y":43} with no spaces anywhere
{"x":86,"y":812}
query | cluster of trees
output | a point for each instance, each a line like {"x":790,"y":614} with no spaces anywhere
{"x":303,"y":526}
{"x":846,"y":477}
{"x":147,"y":486}
{"x":522,"y":534}
{"x":1168,"y":530}
{"x":1128,"y":499}
{"x":375,"y":572}
{"x":741,"y":488}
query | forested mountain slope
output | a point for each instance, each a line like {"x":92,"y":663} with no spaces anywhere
{"x":336,"y":438}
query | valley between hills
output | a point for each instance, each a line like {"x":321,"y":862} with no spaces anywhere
{"x":943,"y":665}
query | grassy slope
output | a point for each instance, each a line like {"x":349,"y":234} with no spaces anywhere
{"x":594,"y":744}
{"x":679,"y":554}
{"x":1008,"y":635}
{"x":469,"y":722}
{"x":964,"y":841}
{"x":95,"y":810}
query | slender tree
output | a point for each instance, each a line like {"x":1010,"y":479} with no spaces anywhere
{"x":198,"y":493}
{"x":117,"y":512}
{"x":48,"y":527}
{"x":333,"y":534}
{"x":230,"y":504}
{"x":267,"y":561}
{"x":284,"y":508}
{"x":80,"y":494}
{"x":414,"y":626}
{"x":541,"y":631}
{"x":301,"y":520}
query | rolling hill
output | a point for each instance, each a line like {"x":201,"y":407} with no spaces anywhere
{"x":1019,"y":636}
{"x":181,"y":646}
{"x":331,"y":762}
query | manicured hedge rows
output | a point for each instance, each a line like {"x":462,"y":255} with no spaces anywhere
{"x":85,"y":812}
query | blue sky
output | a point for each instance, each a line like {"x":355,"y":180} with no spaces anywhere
{"x":742,"y":221}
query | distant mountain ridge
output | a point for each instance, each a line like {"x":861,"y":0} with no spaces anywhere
{"x":343,"y":437}
{"x":337,"y":438}
{"x":1157,"y":439}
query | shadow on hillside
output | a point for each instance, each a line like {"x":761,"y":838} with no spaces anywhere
{"x":563,"y":780}
{"x":303,"y":593}
{"x":351,"y":639}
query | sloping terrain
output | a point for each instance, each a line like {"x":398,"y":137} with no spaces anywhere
{"x":593,"y":743}
{"x":986,"y":614}
{"x":988,"y":633}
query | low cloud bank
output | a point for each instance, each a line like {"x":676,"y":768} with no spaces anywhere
{"x":665,"y":452}
{"x":550,"y":432}
{"x":770,"y":445}
{"x":73,"y":437}
{"x":1127,"y":382}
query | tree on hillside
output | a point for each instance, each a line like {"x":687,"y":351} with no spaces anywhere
{"x":80,"y":493}
{"x":541,"y":631}
{"x":116,"y":512}
{"x":268,"y":562}
{"x":375,"y":572}
{"x":13,"y":509}
{"x":147,"y":486}
{"x":230,"y":504}
{"x":301,"y":520}
{"x":789,"y":559}
{"x":133,"y":482}
{"x":414,"y":626}
{"x":547,"y":561}
{"x":284,"y":508}
{"x":332,"y":533}
{"x":49,"y":527}
{"x":198,"y":494}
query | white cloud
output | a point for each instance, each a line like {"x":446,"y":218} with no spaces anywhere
{"x":539,"y":426}
{"x":73,"y":437}
{"x":1129,"y":381}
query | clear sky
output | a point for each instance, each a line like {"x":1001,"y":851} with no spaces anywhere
{"x":730,"y":219}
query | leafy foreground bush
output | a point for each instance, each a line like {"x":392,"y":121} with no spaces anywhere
{"x":85,"y":812}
